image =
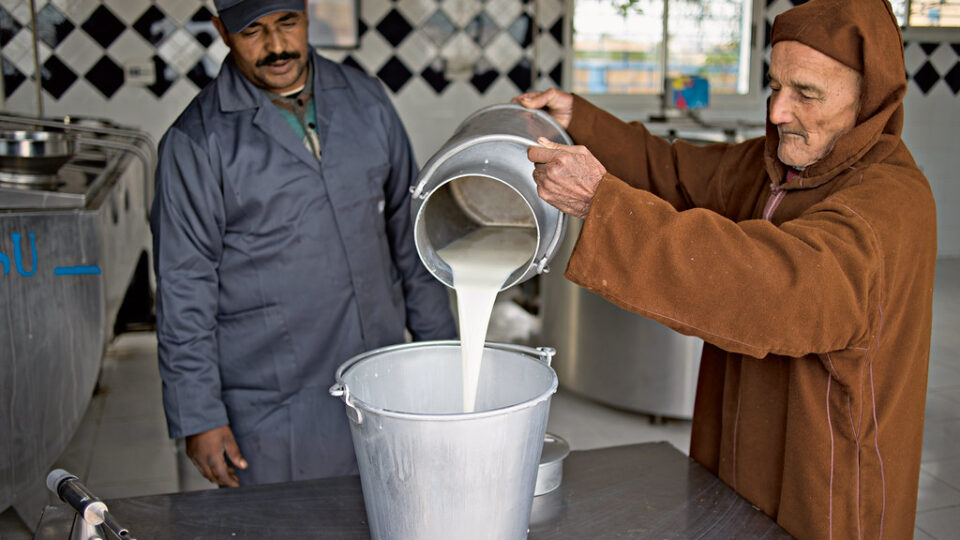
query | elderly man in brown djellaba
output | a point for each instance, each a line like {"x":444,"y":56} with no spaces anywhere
{"x":804,"y":259}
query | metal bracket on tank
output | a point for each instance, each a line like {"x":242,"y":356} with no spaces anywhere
{"x":547,"y":354}
{"x":542,"y":267}
{"x":341,"y":391}
{"x":417,"y":191}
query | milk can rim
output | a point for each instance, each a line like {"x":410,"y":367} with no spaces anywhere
{"x":529,"y":352}
{"x":516,"y":106}
{"x":530,"y":265}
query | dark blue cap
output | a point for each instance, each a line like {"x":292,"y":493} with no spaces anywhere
{"x":239,"y":14}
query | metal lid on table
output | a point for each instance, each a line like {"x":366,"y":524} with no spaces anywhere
{"x":550,"y":471}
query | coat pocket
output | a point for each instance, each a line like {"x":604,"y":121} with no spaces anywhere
{"x":255,"y":349}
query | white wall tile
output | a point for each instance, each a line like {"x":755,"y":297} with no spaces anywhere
{"x":503,"y":52}
{"x":373,"y":52}
{"x":417,"y":11}
{"x":180,"y":10}
{"x":19,"y":9}
{"x":913,"y":57}
{"x":19,"y":51}
{"x":131,"y":47}
{"x":417,"y":51}
{"x":218,"y":50}
{"x":79,"y":52}
{"x":504,"y":12}
{"x":460,"y":54}
{"x":461,"y":12}
{"x":128,"y":11}
{"x":77,"y":10}
{"x":181,"y":51}
{"x":374,"y":10}
{"x":548,"y":11}
{"x":944,"y":58}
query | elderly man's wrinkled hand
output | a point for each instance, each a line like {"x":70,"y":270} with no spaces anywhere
{"x":557,"y":103}
{"x":567,"y":176}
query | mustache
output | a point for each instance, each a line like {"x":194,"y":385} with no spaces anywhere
{"x":273,"y":58}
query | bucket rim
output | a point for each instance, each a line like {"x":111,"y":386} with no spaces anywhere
{"x":542,"y":355}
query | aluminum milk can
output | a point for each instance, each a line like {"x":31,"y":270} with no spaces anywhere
{"x":481,"y":177}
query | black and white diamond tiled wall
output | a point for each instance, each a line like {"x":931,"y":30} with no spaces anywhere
{"x":930,"y":66}
{"x":145,"y":59}
{"x":460,"y":42}
{"x":92,"y":41}
{"x":443,"y":42}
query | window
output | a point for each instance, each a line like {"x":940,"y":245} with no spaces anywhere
{"x":619,"y":47}
{"x":927,"y":13}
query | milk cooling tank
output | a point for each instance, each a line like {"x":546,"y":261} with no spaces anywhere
{"x":612,"y":355}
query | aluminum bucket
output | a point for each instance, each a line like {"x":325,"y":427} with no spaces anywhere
{"x":429,"y":471}
{"x":482,"y":177}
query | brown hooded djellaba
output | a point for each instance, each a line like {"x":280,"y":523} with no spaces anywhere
{"x":816,"y":317}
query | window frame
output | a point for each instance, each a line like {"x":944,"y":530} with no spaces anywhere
{"x":625,"y":104}
{"x":928,"y":32}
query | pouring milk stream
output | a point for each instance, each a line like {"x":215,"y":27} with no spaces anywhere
{"x":479,"y":223}
{"x":481,"y":262}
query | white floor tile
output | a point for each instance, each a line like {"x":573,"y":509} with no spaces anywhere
{"x":935,"y":494}
{"x":941,"y":405}
{"x":947,"y":471}
{"x":149,"y":462}
{"x":940,"y":440}
{"x":940,"y":524}
{"x":586,"y":424}
{"x":944,"y":372}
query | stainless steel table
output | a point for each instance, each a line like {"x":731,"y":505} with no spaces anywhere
{"x":639,"y":491}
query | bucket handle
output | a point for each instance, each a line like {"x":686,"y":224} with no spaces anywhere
{"x":340,"y":390}
{"x":545,"y":354}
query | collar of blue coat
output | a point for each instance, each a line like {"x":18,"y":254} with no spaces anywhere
{"x":237,"y":92}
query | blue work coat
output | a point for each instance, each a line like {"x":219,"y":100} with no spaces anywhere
{"x":274,"y":268}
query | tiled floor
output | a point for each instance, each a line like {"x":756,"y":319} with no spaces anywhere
{"x":121,"y":449}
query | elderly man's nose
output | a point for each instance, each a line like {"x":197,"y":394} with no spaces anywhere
{"x":780,"y":112}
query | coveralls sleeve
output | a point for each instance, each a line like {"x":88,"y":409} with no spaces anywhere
{"x":188,"y":225}
{"x":427,"y":302}
{"x":807,"y":286}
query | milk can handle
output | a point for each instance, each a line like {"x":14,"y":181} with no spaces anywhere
{"x":341,"y":391}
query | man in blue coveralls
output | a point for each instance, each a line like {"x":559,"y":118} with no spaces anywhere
{"x":283,"y":245}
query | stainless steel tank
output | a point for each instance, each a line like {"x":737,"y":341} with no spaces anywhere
{"x":481,"y":177}
{"x":68,"y":253}
{"x":614,"y":356}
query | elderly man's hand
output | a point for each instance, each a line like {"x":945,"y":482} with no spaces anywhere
{"x":566,"y":176}
{"x":558,"y":104}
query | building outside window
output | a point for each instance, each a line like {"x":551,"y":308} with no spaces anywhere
{"x":619,"y":46}
{"x":927,"y":13}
